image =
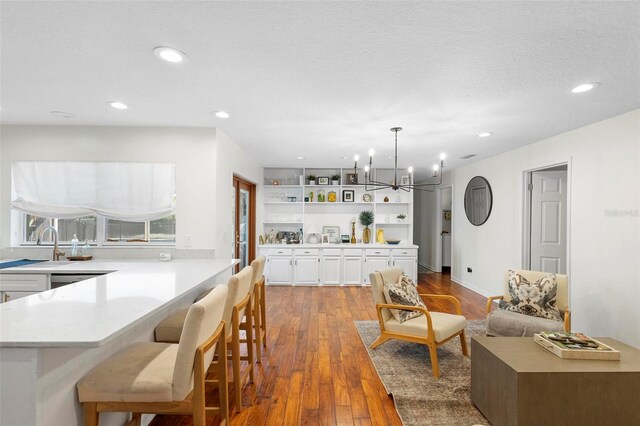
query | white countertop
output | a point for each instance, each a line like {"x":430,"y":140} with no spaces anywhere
{"x":90,"y":313}
{"x":343,"y":246}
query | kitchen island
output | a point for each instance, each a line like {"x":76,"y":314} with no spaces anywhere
{"x":50,"y":340}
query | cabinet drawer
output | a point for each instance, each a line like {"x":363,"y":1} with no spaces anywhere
{"x":306,"y":252}
{"x":331,"y":252}
{"x":377,"y":252}
{"x":24,"y":282}
{"x":352,"y":252}
{"x":404,"y":252}
{"x":279,"y":252}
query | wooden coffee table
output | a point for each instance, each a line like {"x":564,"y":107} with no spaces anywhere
{"x":516,"y":382}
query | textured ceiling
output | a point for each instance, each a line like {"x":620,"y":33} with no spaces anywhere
{"x":326,"y":79}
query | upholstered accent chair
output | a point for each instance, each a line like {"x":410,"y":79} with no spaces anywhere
{"x":431,"y":329}
{"x":514,"y":324}
{"x":238,"y":297}
{"x":151,"y":377}
{"x":257,"y":306}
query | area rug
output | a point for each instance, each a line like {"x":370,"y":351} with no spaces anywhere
{"x":420,"y":399}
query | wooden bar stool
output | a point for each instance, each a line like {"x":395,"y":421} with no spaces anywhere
{"x":255,"y":308}
{"x":238,"y":297}
{"x":153,"y":377}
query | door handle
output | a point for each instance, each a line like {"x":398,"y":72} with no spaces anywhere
{"x":237,"y":238}
{"x":5,"y":298}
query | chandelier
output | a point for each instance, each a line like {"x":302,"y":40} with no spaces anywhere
{"x":371,"y":184}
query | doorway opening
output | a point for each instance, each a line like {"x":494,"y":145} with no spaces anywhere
{"x":244,"y":221}
{"x":546,"y":221}
{"x":444,"y":229}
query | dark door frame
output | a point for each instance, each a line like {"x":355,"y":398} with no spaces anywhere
{"x":241,"y":183}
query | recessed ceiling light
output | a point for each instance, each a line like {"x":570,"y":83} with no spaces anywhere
{"x":222,"y":114}
{"x":484,"y":134}
{"x":300,"y":157}
{"x":117,"y":105}
{"x":61,"y":114}
{"x":169,"y":54}
{"x":585,"y":87}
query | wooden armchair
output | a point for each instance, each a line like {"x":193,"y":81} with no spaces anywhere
{"x":502,"y":323}
{"x":431,"y":329}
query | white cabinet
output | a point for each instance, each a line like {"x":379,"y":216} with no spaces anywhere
{"x":279,"y":270}
{"x":408,"y":264}
{"x":375,"y":263}
{"x":331,"y":267}
{"x":352,"y":270}
{"x":307,"y":270}
{"x":15,"y":286}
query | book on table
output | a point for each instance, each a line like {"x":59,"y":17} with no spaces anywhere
{"x":575,"y":346}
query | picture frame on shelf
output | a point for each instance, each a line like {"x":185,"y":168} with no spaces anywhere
{"x":405,"y":180}
{"x":333,"y":232}
{"x":345,"y":238}
{"x":348,"y":195}
{"x":326,"y":239}
{"x":323,"y":180}
{"x":352,"y":178}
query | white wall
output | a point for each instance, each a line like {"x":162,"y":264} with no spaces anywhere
{"x":205,"y":161}
{"x":604,"y":260}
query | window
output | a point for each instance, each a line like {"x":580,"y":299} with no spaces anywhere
{"x":99,"y":230}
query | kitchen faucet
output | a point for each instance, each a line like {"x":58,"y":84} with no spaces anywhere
{"x":56,"y":253}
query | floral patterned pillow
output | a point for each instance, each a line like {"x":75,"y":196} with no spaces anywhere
{"x":534,"y":299}
{"x":404,"y":292}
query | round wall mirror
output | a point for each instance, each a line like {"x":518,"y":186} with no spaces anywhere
{"x":478,"y":200}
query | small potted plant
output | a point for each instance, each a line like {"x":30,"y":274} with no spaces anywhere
{"x":335,"y":179}
{"x":401,"y":217}
{"x":311,"y":179}
{"x":366,"y":219}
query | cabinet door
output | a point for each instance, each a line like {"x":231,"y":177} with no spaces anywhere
{"x":307,"y":270}
{"x":7,"y":296}
{"x":279,"y":270}
{"x":331,"y":268}
{"x":352,"y":270}
{"x":375,"y":264}
{"x":408,"y":264}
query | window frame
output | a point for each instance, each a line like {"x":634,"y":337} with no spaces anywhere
{"x":101,"y":236}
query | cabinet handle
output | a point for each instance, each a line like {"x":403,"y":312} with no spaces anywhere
{"x":5,"y":298}
{"x":296,"y":262}
{"x":290,"y":262}
{"x":307,"y":252}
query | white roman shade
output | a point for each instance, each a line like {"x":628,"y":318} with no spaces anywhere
{"x":123,"y":191}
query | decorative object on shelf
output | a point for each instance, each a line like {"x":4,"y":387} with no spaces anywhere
{"x":344,"y":238}
{"x":398,"y":199}
{"x":393,"y":242}
{"x":323,"y":180}
{"x":331,"y":197}
{"x":292,"y":199}
{"x":367,"y":198}
{"x":87,"y":250}
{"x":478,"y":200}
{"x":311,"y":179}
{"x":380,"y":236}
{"x":261,"y":239}
{"x":275,"y":182}
{"x":386,"y":199}
{"x":401,"y":218}
{"x":313,"y":234}
{"x":311,"y":197}
{"x":405,"y":180}
{"x":353,"y":230}
{"x":335,"y":179}
{"x":352,"y":178}
{"x":447,"y":215}
{"x":326,"y":239}
{"x":374,"y":185}
{"x":347,"y":195}
{"x":306,"y":199}
{"x":366,"y":219}
{"x":321,"y":196}
{"x":333,"y":232}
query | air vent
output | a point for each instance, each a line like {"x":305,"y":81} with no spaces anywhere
{"x":466,"y":157}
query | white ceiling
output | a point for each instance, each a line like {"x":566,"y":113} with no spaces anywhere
{"x":326,"y":79}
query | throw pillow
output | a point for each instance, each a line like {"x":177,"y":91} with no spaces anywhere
{"x":404,"y":292}
{"x":534,"y":299}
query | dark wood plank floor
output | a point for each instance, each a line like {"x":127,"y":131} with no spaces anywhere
{"x":315,"y":370}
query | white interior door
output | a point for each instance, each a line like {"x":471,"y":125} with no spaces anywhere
{"x":549,"y":221}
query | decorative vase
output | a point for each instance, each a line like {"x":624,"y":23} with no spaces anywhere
{"x":335,"y":182}
{"x":386,"y":199}
{"x":312,"y":182}
{"x":366,"y":235}
{"x":353,"y":232}
{"x":380,"y":236}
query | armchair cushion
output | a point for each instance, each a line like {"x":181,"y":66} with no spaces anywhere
{"x":512,"y":324}
{"x":444,"y":325}
{"x":403,"y":292}
{"x":534,"y":299}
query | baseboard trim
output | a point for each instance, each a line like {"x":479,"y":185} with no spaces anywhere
{"x":470,"y":287}
{"x":429,"y":267}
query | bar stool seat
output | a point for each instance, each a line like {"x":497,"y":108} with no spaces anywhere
{"x":170,"y":329}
